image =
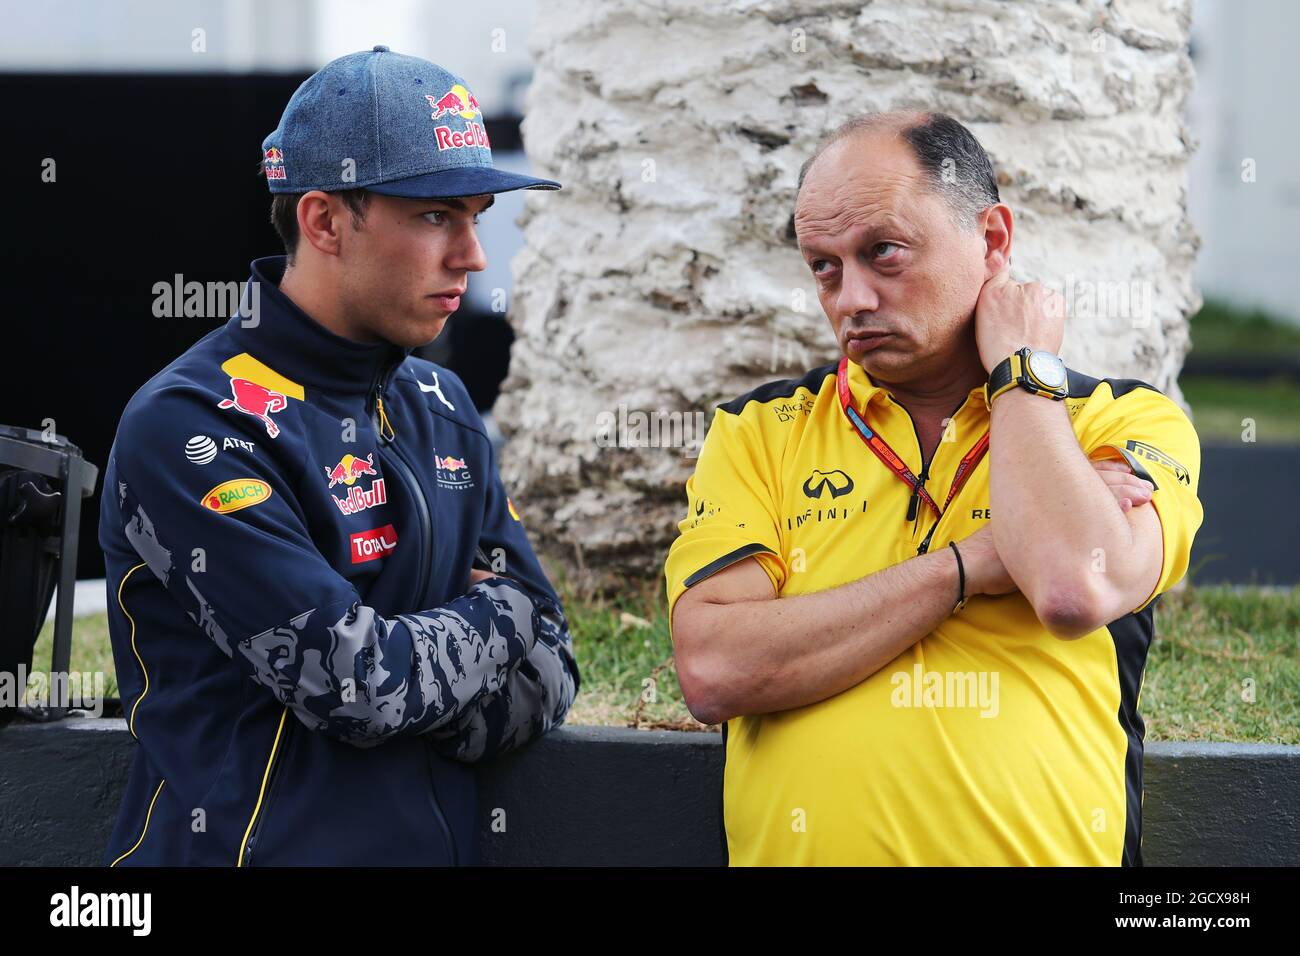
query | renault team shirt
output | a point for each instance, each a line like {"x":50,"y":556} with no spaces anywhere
{"x":988,"y":742}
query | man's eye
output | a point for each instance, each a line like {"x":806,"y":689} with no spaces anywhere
{"x":816,"y":266}
{"x":439,"y":218}
{"x":879,"y":245}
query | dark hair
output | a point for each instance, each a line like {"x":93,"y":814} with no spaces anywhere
{"x":952,"y":160}
{"x":284,"y":214}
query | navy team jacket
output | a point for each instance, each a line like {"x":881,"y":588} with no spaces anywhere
{"x":289,"y":520}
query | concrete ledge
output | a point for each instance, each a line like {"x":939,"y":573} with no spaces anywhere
{"x":609,"y":796}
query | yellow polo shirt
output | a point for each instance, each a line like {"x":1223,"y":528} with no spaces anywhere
{"x":989,"y":741}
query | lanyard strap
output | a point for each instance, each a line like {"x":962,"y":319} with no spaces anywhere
{"x":880,"y":447}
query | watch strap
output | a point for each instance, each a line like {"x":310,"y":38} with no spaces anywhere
{"x":1005,"y":375}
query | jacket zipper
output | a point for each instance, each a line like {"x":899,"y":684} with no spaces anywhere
{"x":407,"y":477}
{"x":915,"y":500}
{"x":437,"y":809}
{"x":272,"y":788}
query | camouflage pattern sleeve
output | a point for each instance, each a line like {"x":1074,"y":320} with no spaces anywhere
{"x":532,"y":699}
{"x":536,"y":695}
{"x":343,"y":669}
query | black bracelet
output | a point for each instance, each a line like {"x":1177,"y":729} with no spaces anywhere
{"x":961,"y":578}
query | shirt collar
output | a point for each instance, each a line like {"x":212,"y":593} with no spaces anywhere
{"x":867,"y":395}
{"x":298,"y":347}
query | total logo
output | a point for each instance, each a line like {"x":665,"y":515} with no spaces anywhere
{"x":452,"y":473}
{"x":273,"y":163}
{"x":372,"y":544}
{"x":202,"y":450}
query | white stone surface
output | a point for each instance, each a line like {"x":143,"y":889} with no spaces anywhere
{"x":663,"y":277}
{"x":89,"y":596}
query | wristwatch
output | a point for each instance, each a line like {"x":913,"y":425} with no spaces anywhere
{"x":1040,"y":372}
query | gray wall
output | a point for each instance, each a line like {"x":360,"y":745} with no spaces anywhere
{"x":608,"y":796}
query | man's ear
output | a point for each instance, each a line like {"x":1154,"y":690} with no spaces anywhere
{"x":320,"y":221}
{"x":996,"y":227}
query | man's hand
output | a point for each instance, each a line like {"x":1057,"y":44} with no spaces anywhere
{"x":1129,"y":490}
{"x":985,"y":572}
{"x":476,"y":575}
{"x":1010,"y":315}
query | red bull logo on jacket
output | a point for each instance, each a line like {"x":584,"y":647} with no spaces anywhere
{"x":256,"y":400}
{"x":359,"y":500}
{"x":452,"y":472}
{"x":258,"y":389}
{"x":349,"y":469}
{"x":461,"y":103}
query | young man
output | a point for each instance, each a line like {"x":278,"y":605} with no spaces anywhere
{"x":918,"y":583}
{"x":323,"y":606}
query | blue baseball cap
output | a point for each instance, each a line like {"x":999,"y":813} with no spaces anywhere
{"x":389,"y":123}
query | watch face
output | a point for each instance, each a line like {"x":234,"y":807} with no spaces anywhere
{"x":1047,"y":368}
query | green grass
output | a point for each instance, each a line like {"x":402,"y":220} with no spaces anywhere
{"x":1211,"y":642}
{"x":91,"y":651}
{"x":1219,"y":405}
{"x":1212,"y":645}
{"x":1221,"y":329}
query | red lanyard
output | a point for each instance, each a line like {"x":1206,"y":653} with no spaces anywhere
{"x":877,"y":444}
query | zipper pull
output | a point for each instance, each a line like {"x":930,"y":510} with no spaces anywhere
{"x":916,"y":496}
{"x":382,"y":423}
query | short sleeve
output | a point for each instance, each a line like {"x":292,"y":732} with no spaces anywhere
{"x":1149,"y":431}
{"x":731,"y":509}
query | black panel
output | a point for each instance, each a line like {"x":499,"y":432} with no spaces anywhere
{"x":1132,"y":637}
{"x":714,"y":567}
{"x":782,"y":389}
{"x":156,"y":174}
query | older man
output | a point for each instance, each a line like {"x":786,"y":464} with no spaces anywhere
{"x":918,"y":584}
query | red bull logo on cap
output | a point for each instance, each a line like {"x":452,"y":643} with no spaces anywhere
{"x":349,"y":469}
{"x":256,"y":400}
{"x":460,"y":102}
{"x":456,"y":100}
{"x":273,"y":163}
